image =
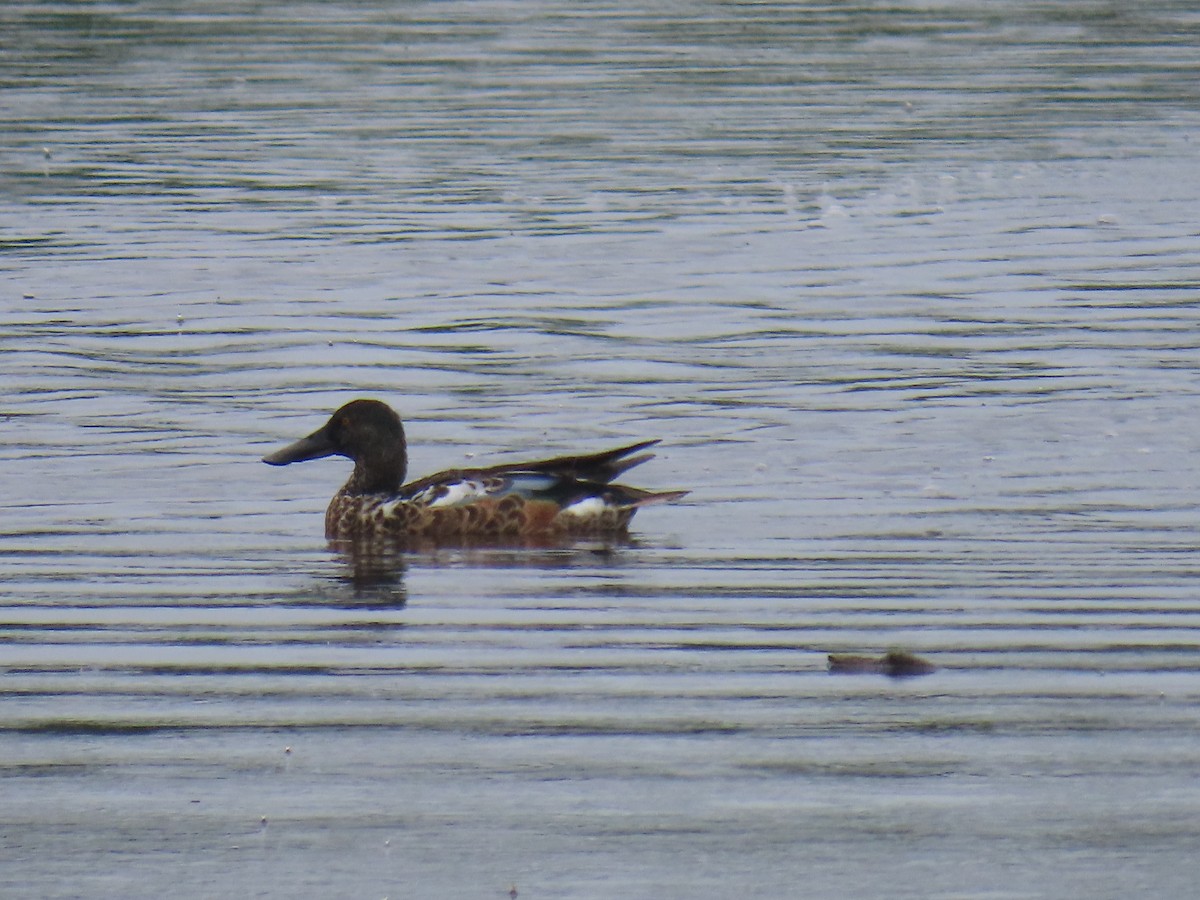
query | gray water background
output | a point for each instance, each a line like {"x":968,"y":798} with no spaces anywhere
{"x":908,"y":290}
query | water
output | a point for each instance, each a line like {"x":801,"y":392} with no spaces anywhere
{"x":908,"y":292}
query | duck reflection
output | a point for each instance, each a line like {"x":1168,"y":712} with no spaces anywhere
{"x":371,"y":563}
{"x":374,"y":571}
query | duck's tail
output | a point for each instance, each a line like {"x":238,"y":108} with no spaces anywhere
{"x":599,"y":468}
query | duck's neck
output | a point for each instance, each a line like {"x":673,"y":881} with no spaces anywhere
{"x":379,"y":472}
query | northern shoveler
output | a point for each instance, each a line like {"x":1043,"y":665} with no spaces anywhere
{"x":561,"y":497}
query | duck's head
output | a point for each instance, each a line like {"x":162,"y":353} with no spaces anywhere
{"x":366,"y":431}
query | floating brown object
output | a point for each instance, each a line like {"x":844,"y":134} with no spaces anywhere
{"x":894,"y":664}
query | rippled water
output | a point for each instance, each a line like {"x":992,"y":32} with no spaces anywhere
{"x":909,"y":291}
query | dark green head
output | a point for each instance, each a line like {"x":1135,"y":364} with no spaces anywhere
{"x":365,"y":431}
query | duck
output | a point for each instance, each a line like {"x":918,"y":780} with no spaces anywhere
{"x":559,"y":498}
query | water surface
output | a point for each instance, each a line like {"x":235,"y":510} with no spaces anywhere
{"x":907,"y":290}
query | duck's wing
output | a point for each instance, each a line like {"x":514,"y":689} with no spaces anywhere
{"x":465,"y":487}
{"x":562,"y":480}
{"x":537,"y":477}
{"x":600,"y":468}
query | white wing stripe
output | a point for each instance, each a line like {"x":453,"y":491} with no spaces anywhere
{"x":460,"y":492}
